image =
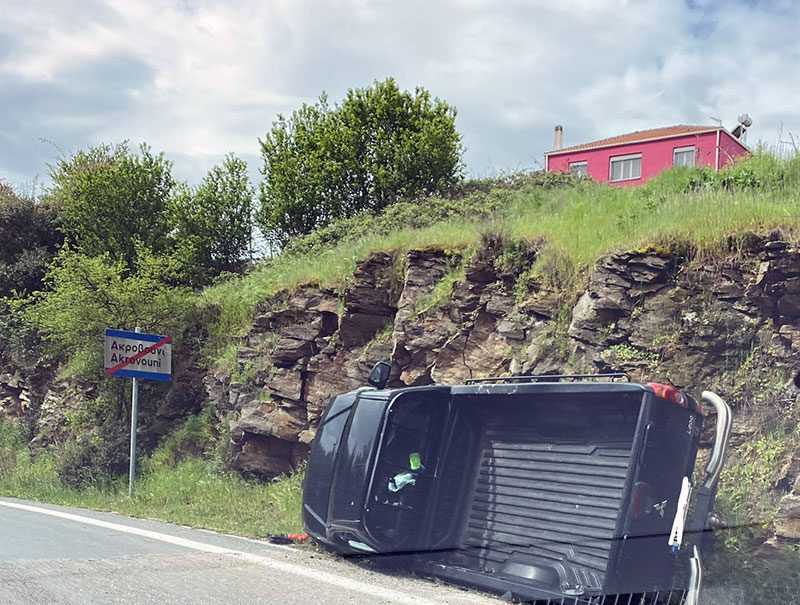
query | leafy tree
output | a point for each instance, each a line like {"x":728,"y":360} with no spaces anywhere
{"x":110,"y":199}
{"x":380,"y":145}
{"x":213,"y":224}
{"x":28,"y":240}
{"x":87,"y":294}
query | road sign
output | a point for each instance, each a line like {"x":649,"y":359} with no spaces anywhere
{"x":138,"y":355}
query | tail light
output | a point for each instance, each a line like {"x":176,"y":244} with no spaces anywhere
{"x":670,"y":393}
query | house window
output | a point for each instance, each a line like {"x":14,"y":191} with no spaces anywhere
{"x":626,"y":167}
{"x":579,"y":169}
{"x":683,"y":156}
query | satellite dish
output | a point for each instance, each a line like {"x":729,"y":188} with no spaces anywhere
{"x":745,"y":121}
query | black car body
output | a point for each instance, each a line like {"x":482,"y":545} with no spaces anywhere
{"x":545,"y":490}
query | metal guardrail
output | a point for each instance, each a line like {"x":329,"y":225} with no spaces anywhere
{"x":546,"y":378}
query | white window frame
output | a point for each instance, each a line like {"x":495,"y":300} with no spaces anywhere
{"x":621,"y":158}
{"x":685,"y":149}
{"x":582,"y":165}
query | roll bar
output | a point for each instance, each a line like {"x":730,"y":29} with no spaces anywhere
{"x":706,"y":492}
{"x":695,"y":579}
{"x":722,"y":433}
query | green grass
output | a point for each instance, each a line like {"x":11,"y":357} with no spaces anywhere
{"x":237,"y":298}
{"x":579,"y":222}
{"x":191,"y":492}
{"x":442,"y":291}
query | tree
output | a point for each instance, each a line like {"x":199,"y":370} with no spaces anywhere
{"x":86,"y":294}
{"x":379,"y":146}
{"x":110,"y":199}
{"x":213,"y":224}
{"x":28,"y":240}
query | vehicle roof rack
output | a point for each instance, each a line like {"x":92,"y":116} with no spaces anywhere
{"x":611,"y":376}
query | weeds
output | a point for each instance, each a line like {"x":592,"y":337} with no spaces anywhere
{"x":627,"y":354}
{"x":745,"y":497}
{"x":580,"y":222}
{"x":175,"y":486}
{"x":441,"y":291}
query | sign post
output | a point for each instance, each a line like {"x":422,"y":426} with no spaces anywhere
{"x":141,"y":357}
{"x":134,"y":418}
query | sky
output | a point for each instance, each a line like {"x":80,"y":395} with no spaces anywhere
{"x":199,"y":79}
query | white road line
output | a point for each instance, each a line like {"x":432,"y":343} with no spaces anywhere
{"x":281,"y":566}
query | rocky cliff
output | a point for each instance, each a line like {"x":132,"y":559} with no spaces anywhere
{"x":728,"y":322}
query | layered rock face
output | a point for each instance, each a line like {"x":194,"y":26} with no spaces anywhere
{"x":730,"y":323}
{"x":302,"y":350}
{"x":15,"y":397}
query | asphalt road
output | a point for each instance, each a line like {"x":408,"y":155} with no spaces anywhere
{"x":55,"y":555}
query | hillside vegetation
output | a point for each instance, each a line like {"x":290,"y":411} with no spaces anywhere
{"x":695,"y":209}
{"x":572,"y":224}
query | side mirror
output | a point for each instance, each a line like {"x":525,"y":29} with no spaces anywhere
{"x":379,"y":375}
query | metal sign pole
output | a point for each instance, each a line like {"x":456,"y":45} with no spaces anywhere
{"x":134,"y":414}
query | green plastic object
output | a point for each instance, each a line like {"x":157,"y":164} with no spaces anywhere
{"x":415,"y":461}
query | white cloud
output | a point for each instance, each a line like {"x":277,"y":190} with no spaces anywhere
{"x":199,"y":79}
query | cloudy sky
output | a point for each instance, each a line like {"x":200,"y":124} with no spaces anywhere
{"x":198,"y":79}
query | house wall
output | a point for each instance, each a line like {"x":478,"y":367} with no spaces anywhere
{"x":656,"y":156}
{"x":729,"y":149}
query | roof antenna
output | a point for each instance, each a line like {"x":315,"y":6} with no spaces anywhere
{"x":717,"y":120}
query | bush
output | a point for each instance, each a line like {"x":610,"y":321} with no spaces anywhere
{"x":760,"y":171}
{"x":89,"y":294}
{"x":90,"y":460}
{"x":379,"y":146}
{"x":213,"y":223}
{"x":20,"y":343}
{"x":12,"y":442}
{"x":477,"y":206}
{"x":29,"y":236}
{"x":98,"y":450}
{"x":193,"y":439}
{"x":111,"y":200}
{"x":746,"y":499}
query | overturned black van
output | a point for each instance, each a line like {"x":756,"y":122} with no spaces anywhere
{"x":544,"y":488}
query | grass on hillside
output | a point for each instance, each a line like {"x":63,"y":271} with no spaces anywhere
{"x":189,"y":492}
{"x":582,"y":222}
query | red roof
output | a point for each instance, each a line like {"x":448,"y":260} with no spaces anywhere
{"x":640,"y":135}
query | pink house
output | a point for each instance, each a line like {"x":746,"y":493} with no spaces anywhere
{"x":632,"y":159}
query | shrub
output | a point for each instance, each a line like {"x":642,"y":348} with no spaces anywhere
{"x":89,"y":294}
{"x":12,"y":441}
{"x":111,"y":200}
{"x":379,"y":146}
{"x":476,"y":206}
{"x":29,"y":236}
{"x":192,"y":440}
{"x":213,"y":223}
{"x":20,"y":343}
{"x":745,"y":497}
{"x":93,"y":460}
